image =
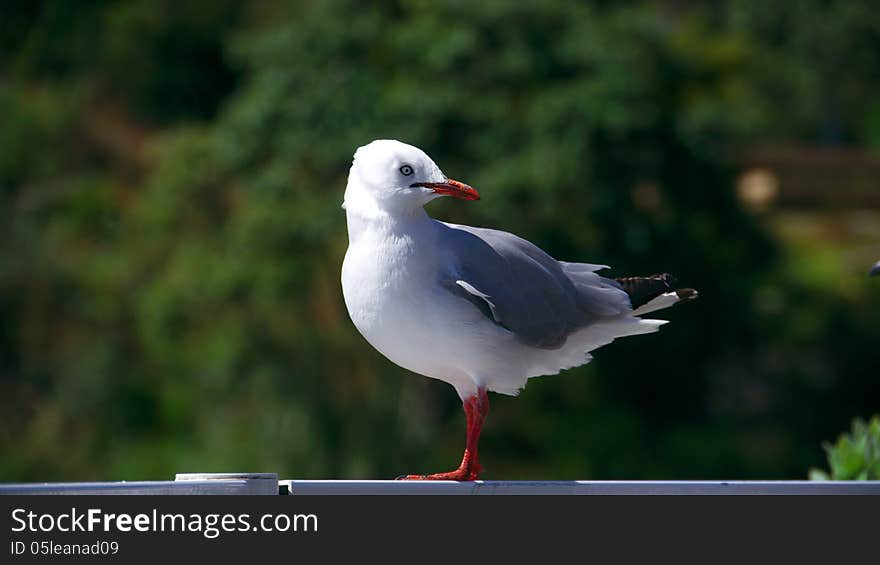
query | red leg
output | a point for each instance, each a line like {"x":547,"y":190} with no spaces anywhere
{"x":475,"y":409}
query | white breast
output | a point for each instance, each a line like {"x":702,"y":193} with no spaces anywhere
{"x":391,"y":284}
{"x":385,"y":273}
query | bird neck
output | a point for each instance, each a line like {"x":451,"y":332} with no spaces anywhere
{"x":365,"y":214}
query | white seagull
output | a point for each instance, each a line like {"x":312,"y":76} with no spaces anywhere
{"x":480,"y":309}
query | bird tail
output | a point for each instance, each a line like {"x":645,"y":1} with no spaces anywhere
{"x":647,"y":294}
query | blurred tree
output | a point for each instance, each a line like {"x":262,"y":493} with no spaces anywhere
{"x":172,"y":236}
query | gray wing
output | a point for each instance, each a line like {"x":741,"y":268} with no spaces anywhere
{"x":518,"y":286}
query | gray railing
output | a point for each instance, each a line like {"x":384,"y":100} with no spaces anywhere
{"x":268,"y":484}
{"x":184,"y":483}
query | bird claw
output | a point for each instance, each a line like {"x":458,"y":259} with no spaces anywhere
{"x":457,"y":475}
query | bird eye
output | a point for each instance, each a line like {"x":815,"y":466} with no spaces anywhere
{"x":406,"y":170}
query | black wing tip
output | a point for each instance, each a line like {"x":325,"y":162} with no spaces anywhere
{"x":875,"y":270}
{"x":642,"y":290}
{"x":685,"y":294}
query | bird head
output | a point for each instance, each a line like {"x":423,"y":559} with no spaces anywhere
{"x":392,"y":176}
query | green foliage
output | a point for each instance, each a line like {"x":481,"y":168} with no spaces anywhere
{"x":855,"y":456}
{"x":171,"y":175}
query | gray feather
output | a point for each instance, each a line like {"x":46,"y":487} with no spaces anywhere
{"x":518,"y":286}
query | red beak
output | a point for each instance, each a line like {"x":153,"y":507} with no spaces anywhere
{"x":451,"y":188}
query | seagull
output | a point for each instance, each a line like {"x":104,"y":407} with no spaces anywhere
{"x":481,"y":309}
{"x":875,"y":270}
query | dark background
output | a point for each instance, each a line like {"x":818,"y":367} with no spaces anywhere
{"x":171,"y":174}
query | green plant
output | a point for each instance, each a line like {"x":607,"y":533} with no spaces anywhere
{"x":855,"y":456}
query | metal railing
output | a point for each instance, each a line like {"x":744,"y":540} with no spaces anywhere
{"x":183,"y":483}
{"x":268,"y":484}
